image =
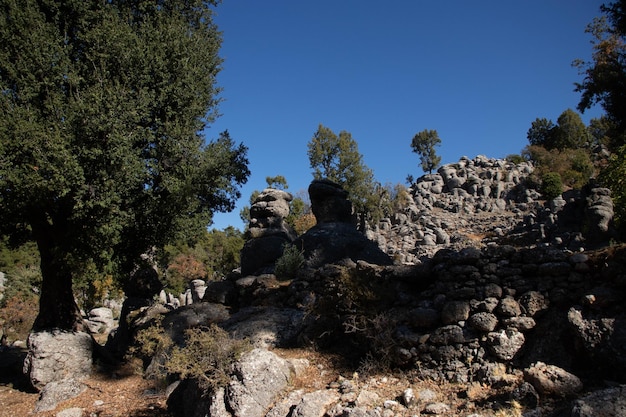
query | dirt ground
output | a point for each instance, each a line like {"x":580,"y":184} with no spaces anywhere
{"x":123,"y":392}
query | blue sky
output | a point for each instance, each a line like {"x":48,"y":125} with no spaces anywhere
{"x":478,"y":72}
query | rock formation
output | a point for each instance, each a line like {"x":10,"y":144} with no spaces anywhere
{"x":335,"y":235}
{"x":267,"y":232}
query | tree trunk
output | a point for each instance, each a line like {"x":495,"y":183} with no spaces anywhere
{"x":57,"y":306}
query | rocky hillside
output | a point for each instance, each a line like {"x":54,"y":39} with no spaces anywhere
{"x":477,"y":282}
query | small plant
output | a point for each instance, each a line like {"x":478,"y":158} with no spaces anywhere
{"x":206,"y":356}
{"x":289,"y":263}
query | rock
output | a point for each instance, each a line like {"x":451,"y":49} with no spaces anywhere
{"x":57,"y":355}
{"x":436,"y":408}
{"x":367,"y":398}
{"x":267,"y":232}
{"x":408,"y":398}
{"x":483,"y":322}
{"x":523,"y":324}
{"x":551,"y":380}
{"x":198,"y":288}
{"x":100,"y":320}
{"x":329,"y":203}
{"x":508,"y":307}
{"x":315,"y":404}
{"x":610,"y":402}
{"x":177,"y":321}
{"x":57,"y":391}
{"x":447,"y":335}
{"x":455,"y":311}
{"x":599,"y":212}
{"x":260,"y":376}
{"x":505,"y":344}
{"x":266,"y":326}
{"x":70,"y":412}
{"x":533,"y":303}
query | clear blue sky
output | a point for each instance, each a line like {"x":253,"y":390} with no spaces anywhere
{"x":479,"y":72}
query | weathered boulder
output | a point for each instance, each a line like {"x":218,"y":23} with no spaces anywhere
{"x":267,"y":232}
{"x":58,"y":355}
{"x":550,"y":380}
{"x":330,"y":203}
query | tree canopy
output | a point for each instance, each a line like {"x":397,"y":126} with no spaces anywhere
{"x":605,"y":76}
{"x":102,"y":155}
{"x":423,"y":144}
{"x":337,"y":158}
{"x":569,"y":132}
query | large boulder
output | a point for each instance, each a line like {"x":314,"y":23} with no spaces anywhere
{"x":258,"y":378}
{"x":58,"y":355}
{"x":335,"y":236}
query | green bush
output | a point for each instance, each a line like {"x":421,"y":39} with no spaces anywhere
{"x":551,"y":185}
{"x":289,"y":263}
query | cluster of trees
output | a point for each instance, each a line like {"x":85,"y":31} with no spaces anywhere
{"x":564,"y":150}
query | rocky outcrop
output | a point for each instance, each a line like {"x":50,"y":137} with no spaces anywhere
{"x":481,"y":200}
{"x":335,"y":235}
{"x":267,"y":232}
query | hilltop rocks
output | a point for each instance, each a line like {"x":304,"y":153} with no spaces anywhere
{"x":268,"y":232}
{"x":481,"y":200}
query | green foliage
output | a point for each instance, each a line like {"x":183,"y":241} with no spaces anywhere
{"x":541,"y":132}
{"x":17,"y":315}
{"x":569,"y":133}
{"x":101,"y":152}
{"x":574,"y":166}
{"x":279,"y":182}
{"x":515,"y":159}
{"x":424,"y":144}
{"x":21,"y":269}
{"x":206,"y":356}
{"x":551,"y":185}
{"x":614,"y":177}
{"x":211,"y":256}
{"x":605,"y":75}
{"x":287,"y":266}
{"x":337,"y":158}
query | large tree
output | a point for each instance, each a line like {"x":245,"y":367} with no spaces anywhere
{"x":337,"y":158}
{"x":103,"y":105}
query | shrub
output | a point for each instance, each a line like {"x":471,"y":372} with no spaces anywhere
{"x":289,"y":263}
{"x":17,"y":316}
{"x":207,"y":354}
{"x":551,"y":185}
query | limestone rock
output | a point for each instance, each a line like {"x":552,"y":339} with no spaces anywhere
{"x":58,"y":355}
{"x":267,"y":232}
{"x":505,"y":344}
{"x":552,"y":380}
